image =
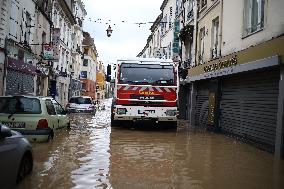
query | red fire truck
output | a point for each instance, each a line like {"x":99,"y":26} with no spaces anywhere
{"x":145,"y":89}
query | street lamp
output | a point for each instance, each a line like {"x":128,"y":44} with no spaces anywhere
{"x":109,"y":31}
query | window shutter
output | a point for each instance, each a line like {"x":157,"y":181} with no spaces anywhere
{"x":14,"y":20}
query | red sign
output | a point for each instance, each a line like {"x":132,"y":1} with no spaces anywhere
{"x":48,"y":52}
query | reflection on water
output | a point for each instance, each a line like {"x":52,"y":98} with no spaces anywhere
{"x":93,"y":155}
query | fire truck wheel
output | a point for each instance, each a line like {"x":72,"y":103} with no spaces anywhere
{"x":170,"y":125}
{"x":114,"y":123}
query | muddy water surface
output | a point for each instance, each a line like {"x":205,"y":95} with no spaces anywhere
{"x":94,"y":155}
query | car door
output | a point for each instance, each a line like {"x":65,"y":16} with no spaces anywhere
{"x":8,"y":160}
{"x":53,"y":118}
{"x":61,"y":113}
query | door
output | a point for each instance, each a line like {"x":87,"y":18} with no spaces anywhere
{"x":8,"y":160}
{"x":53,"y":120}
{"x":202,"y":96}
{"x":62,"y":117}
{"x":249,"y":107}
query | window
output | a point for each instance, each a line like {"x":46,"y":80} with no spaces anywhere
{"x":84,"y":74}
{"x":170,"y":17}
{"x":85,"y":62}
{"x":164,"y":25}
{"x":45,"y":6}
{"x":50,"y":108}
{"x":81,"y":100}
{"x":201,"y":44}
{"x":190,"y":10}
{"x":215,"y":38}
{"x":203,"y":3}
{"x":178,"y":7}
{"x":146,"y":74}
{"x":58,"y":108}
{"x":43,"y":37}
{"x":14,"y":19}
{"x":28,"y":27}
{"x":253,"y":16}
{"x":83,"y":86}
{"x":21,"y":105}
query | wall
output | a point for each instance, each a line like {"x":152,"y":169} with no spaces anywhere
{"x":233,"y":20}
{"x":167,"y":38}
{"x":205,"y":20}
{"x":4,"y":19}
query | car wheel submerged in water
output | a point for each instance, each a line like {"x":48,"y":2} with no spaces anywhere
{"x":16,"y":159}
{"x":25,"y":168}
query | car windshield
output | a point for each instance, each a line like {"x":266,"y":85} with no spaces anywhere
{"x":154,"y":74}
{"x":80,"y":100}
{"x":22,"y":105}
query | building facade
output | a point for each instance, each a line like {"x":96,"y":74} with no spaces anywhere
{"x":236,"y":83}
{"x":63,"y":22}
{"x":77,"y":50}
{"x":89,"y":67}
{"x":25,"y":27}
{"x":100,"y":78}
{"x":41,"y":43}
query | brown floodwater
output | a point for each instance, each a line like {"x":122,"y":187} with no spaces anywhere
{"x":94,"y":155}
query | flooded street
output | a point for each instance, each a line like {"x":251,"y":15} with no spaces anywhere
{"x":94,"y":155}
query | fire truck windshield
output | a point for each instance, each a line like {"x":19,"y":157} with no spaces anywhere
{"x":153,"y":74}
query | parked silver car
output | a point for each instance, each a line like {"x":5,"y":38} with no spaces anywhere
{"x":16,"y":159}
{"x":81,"y":104}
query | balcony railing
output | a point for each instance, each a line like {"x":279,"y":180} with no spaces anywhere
{"x":190,"y":14}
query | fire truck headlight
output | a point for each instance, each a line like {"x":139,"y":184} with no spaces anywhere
{"x":171,"y":112}
{"x":121,"y":111}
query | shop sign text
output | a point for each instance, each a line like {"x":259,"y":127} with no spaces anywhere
{"x":221,"y":64}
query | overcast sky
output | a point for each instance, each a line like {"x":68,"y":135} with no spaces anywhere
{"x":127,"y":39}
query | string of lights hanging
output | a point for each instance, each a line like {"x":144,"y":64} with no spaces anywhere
{"x":108,"y":22}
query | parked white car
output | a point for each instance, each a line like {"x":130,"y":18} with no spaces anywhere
{"x":82,"y":104}
{"x":37,"y":118}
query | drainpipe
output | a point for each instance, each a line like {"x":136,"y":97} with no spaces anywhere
{"x":221,"y":28}
{"x":5,"y":71}
{"x":195,"y":29}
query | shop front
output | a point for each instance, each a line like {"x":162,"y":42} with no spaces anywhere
{"x":239,"y":94}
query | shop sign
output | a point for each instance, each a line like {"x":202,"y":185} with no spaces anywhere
{"x":47,"y":52}
{"x":43,"y":70}
{"x":221,"y":64}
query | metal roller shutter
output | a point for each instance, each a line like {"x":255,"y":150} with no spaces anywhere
{"x":19,"y":83}
{"x":249,"y":107}
{"x":201,"y":114}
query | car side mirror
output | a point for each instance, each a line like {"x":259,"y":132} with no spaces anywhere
{"x":5,"y":131}
{"x":64,"y":112}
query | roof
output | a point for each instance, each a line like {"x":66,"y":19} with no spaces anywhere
{"x":145,"y":60}
{"x":163,"y":4}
